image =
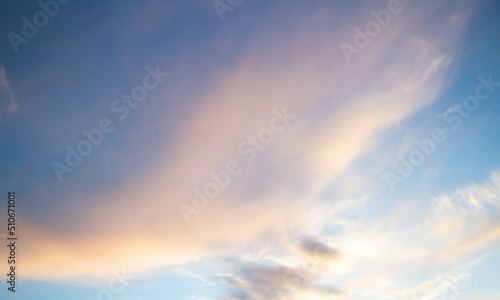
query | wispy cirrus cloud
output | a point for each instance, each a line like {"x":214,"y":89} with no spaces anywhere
{"x":7,"y":97}
{"x":450,"y":234}
{"x":340,"y":116}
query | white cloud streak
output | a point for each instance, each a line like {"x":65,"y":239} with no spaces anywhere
{"x":7,"y":98}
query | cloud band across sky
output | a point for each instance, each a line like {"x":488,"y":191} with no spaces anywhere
{"x":256,"y":170}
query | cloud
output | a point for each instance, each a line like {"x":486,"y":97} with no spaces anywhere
{"x":260,"y":282}
{"x":7,"y":98}
{"x":448,"y":234}
{"x":473,"y":211}
{"x":437,"y":288}
{"x":341,"y":111}
{"x":317,"y":250}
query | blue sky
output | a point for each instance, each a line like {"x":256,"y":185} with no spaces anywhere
{"x":295,"y":146}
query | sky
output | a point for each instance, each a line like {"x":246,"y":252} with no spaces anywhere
{"x":251,"y":150}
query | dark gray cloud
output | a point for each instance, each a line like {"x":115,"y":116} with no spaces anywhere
{"x":317,"y":250}
{"x":254,"y":281}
